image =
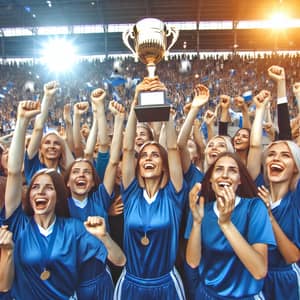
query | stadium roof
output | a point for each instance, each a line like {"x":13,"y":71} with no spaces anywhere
{"x":35,"y":13}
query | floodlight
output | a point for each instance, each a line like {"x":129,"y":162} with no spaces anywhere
{"x":279,"y":20}
{"x":59,"y":55}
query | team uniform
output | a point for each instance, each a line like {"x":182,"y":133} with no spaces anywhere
{"x":94,"y":276}
{"x":5,"y":296}
{"x":283,"y":280}
{"x":149,"y":273}
{"x":31,"y":166}
{"x":222,"y":274}
{"x":101,"y":163}
{"x":259,"y":180}
{"x":97,"y":204}
{"x":72,"y":247}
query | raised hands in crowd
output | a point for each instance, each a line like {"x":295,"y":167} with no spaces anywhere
{"x":193,"y":193}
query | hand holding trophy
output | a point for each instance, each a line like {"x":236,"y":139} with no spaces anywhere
{"x":150,"y":46}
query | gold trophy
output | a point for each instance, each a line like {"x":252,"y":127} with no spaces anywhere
{"x":150,"y":46}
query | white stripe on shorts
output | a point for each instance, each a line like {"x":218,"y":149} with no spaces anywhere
{"x":178,"y":284}
{"x":259,"y":296}
{"x":118,"y":289}
{"x":296,"y":269}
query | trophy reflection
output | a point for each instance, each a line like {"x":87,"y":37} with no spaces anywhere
{"x":150,"y":47}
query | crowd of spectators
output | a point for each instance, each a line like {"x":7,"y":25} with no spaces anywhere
{"x":232,"y":75}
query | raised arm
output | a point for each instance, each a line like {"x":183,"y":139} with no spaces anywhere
{"x":7,"y":268}
{"x":278,"y":75}
{"x":255,"y":151}
{"x":241,"y":104}
{"x":289,"y":251}
{"x":50,"y":89}
{"x":118,"y":111}
{"x":128,"y":162}
{"x":175,"y":165}
{"x":98,"y":97}
{"x":79,"y":109}
{"x":199,"y":140}
{"x":200,"y":99}
{"x":209,"y":119}
{"x":193,"y":249}
{"x":69,"y":127}
{"x":13,"y":192}
{"x":224,"y":114}
{"x":95,"y":225}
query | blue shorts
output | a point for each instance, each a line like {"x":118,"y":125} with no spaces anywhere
{"x":205,"y":293}
{"x":283,"y":283}
{"x":5,"y":296}
{"x":100,"y":287}
{"x":167,"y":287}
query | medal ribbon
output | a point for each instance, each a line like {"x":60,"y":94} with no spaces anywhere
{"x":45,"y":251}
{"x":146,"y":216}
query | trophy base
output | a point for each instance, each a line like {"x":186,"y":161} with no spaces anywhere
{"x":152,"y":113}
{"x":152,"y":107}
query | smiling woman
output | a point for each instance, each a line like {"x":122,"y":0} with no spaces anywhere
{"x":282,"y":171}
{"x":89,"y":197}
{"x":47,"y":266}
{"x":49,"y":150}
{"x":153,"y":197}
{"x":228,"y":236}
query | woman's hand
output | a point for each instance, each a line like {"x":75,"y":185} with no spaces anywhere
{"x":117,"y":207}
{"x":28,"y":109}
{"x":225,"y":204}
{"x":201,"y":95}
{"x":6,"y":238}
{"x":95,"y":225}
{"x":196,"y":203}
{"x":50,"y":88}
{"x":97,"y":97}
{"x":276,"y":73}
{"x":262,"y":99}
{"x":265,"y":195}
{"x":116,"y":108}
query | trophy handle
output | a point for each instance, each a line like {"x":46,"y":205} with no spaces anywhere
{"x":171,"y":31}
{"x":129,"y":33}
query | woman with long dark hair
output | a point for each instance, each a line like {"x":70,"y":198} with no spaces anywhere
{"x":50,"y":248}
{"x":153,"y":197}
{"x":229,"y":234}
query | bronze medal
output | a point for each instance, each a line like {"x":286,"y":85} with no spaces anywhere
{"x":145,"y":241}
{"x":45,"y":275}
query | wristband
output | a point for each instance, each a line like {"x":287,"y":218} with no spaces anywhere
{"x":282,"y":100}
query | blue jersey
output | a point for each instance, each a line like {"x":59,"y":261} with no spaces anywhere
{"x":283,"y":280}
{"x":193,"y":175}
{"x":259,"y":180}
{"x":5,"y":296}
{"x":160,"y":222}
{"x":98,"y":204}
{"x":220,"y":269}
{"x":94,"y":277}
{"x":31,"y":166}
{"x":101,"y":163}
{"x":73,"y":247}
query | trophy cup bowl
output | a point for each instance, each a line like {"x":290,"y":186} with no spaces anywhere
{"x":150,"y":47}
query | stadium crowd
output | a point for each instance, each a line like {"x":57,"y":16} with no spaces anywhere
{"x":205,"y":205}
